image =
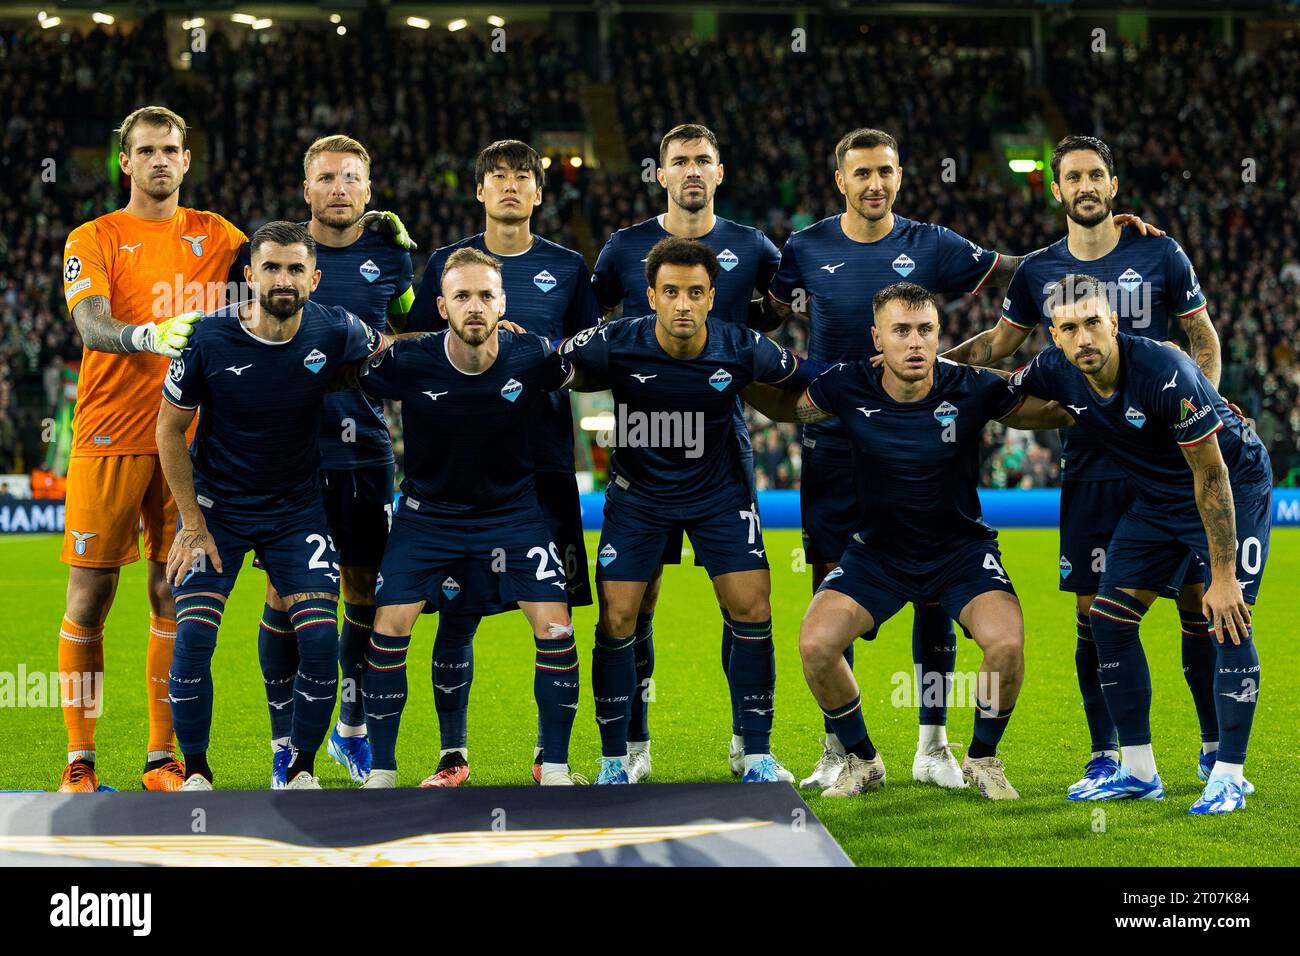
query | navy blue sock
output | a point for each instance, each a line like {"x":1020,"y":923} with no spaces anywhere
{"x":934,"y":657}
{"x":316,"y":622}
{"x":752,"y":677}
{"x":358,"y":622}
{"x":1200,"y":655}
{"x":644,"y":650}
{"x":555,"y":685}
{"x":847,"y":724}
{"x":1125,"y":679}
{"x":189,"y":682}
{"x":990,"y":725}
{"x":613,"y":683}
{"x":277,"y":651}
{"x":453,"y":673}
{"x":726,"y":670}
{"x":826,"y":721}
{"x":1101,"y":728}
{"x":384,"y":692}
{"x":1236,"y":685}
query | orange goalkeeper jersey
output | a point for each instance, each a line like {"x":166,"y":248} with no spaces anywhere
{"x":149,"y":270}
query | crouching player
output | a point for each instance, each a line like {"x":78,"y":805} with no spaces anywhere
{"x":259,"y":372}
{"x":470,"y":397}
{"x":1203,"y":482}
{"x":914,"y":427}
{"x":677,"y":466}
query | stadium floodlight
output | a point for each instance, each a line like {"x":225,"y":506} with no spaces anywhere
{"x":104,"y":18}
{"x":40,"y":17}
{"x":603,"y":422}
{"x":497,"y":21}
{"x":546,"y":162}
{"x":455,"y":25}
{"x":262,"y":24}
{"x":243,"y":18}
{"x":50,"y":22}
{"x":575,"y":161}
{"x":342,"y":30}
{"x":335,"y":18}
{"x":1022,"y":165}
{"x":192,"y":24}
{"x":420,"y":23}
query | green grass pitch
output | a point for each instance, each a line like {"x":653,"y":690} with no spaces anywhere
{"x":903,"y":824}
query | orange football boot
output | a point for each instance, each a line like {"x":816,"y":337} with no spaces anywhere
{"x":79,"y":777}
{"x":166,"y":778}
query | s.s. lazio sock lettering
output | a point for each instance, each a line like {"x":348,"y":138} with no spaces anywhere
{"x":384,"y":692}
{"x":453,"y":675}
{"x":1125,"y":678}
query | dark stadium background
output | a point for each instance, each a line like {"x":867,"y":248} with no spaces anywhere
{"x":1184,"y":93}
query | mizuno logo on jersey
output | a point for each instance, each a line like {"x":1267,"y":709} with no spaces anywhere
{"x":867,"y":412}
{"x":434,"y":395}
{"x":1077,"y":409}
{"x":946,"y":413}
{"x":369,"y":271}
{"x":720,"y":379}
{"x":314,"y":361}
{"x":544,"y":281}
{"x":450,"y":588}
{"x":238,"y":369}
{"x":831,"y":268}
{"x":1130,"y":280}
{"x":1171,"y":383}
{"x":511,"y":390}
{"x":728,"y":259}
{"x":643,"y":378}
{"x":196,"y":244}
{"x":904,"y":265}
{"x":131,"y":248}
{"x":1134,"y":417}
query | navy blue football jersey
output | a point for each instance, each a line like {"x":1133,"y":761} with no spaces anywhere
{"x":747,"y":257}
{"x":1163,"y":402}
{"x":841,"y":276}
{"x":548,"y":292}
{"x":916,"y":464}
{"x":362,"y":278}
{"x":675,"y":428}
{"x":466,"y":436}
{"x":256,"y":453}
{"x":1150,"y":282}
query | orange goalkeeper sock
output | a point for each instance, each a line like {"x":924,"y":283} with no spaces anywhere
{"x":81,"y":680}
{"x":158,"y":662}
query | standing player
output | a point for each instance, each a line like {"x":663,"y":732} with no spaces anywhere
{"x":1152,"y":284}
{"x":257,"y":374}
{"x":111,"y":268}
{"x":369,"y":276}
{"x":1203,"y":481}
{"x":914,"y":426}
{"x":677,"y":466}
{"x":690,"y":171}
{"x":840,"y":263}
{"x":548,"y":291}
{"x":470,"y":398}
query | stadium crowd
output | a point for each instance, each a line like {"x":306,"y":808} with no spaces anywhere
{"x":1179,"y":142}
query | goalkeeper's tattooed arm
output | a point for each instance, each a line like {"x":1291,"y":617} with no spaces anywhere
{"x":783,"y":406}
{"x":100,"y":332}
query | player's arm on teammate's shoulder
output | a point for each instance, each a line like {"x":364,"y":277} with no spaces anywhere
{"x":1036,"y":414}
{"x":1133,"y":219}
{"x":991,"y":345}
{"x":783,"y":406}
{"x":193,"y":539}
{"x":1224,"y":605}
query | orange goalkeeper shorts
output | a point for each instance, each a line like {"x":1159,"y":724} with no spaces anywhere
{"x":110,"y":498}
